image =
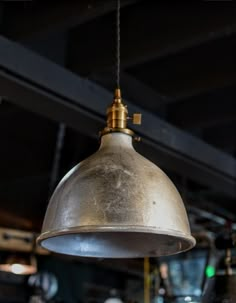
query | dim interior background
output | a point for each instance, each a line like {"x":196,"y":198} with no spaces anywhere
{"x":56,"y":80}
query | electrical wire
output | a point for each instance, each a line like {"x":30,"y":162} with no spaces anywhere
{"x":118,"y":45}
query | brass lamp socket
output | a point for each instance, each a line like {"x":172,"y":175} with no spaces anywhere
{"x":117,"y":113}
{"x":117,"y":116}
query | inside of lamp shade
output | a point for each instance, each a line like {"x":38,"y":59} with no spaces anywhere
{"x":116,"y":244}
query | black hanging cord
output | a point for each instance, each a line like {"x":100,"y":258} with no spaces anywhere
{"x":118,"y":45}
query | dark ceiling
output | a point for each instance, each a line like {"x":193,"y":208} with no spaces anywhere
{"x":178,"y":64}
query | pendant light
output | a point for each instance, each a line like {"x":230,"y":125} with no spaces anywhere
{"x":221,"y":288}
{"x":22,"y":261}
{"x":45,"y":284}
{"x":19,"y":264}
{"x":116,"y":203}
{"x":114,"y":298}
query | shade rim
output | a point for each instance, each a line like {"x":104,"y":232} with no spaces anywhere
{"x":187,"y":239}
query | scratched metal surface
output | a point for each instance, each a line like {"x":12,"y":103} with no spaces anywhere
{"x":116,"y":203}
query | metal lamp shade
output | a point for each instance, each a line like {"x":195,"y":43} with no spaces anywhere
{"x":221,"y":289}
{"x":116,"y":204}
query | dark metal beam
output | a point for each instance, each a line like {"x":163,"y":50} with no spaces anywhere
{"x":206,"y":110}
{"x":135,"y":91}
{"x":36,"y":84}
{"x":222,"y":136}
{"x":192,"y":72}
{"x":150,"y":30}
{"x":27,"y":20}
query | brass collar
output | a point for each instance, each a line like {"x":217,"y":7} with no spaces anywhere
{"x":117,"y":117}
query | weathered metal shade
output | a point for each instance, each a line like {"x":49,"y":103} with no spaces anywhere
{"x":221,"y":289}
{"x":116,"y":203}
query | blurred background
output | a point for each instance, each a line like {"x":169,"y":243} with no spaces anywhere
{"x":57,"y":75}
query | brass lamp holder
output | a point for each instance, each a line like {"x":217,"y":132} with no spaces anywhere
{"x":117,"y":117}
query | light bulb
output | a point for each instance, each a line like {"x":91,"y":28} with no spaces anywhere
{"x":18,"y":269}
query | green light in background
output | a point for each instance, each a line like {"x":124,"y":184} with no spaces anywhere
{"x":210,"y":271}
